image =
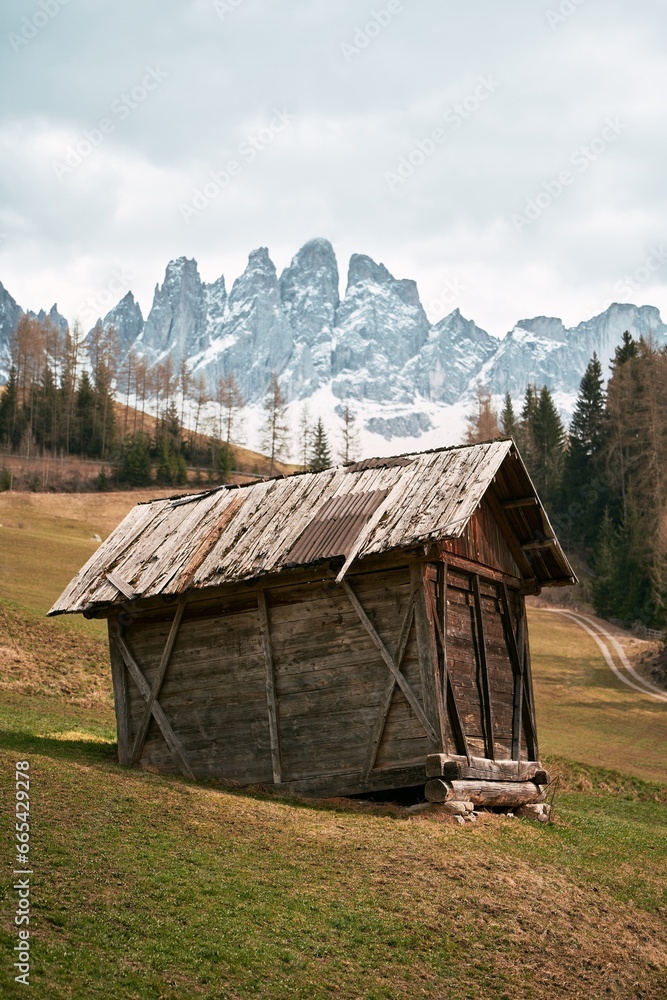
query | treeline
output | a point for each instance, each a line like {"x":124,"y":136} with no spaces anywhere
{"x":62,"y":398}
{"x":68,"y":396}
{"x":604,"y":480}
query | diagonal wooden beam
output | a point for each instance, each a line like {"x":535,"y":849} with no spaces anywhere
{"x":484,"y":668}
{"x":134,"y":670}
{"x":142,"y":731}
{"x":452,"y":706}
{"x":388,"y":694}
{"x":388,"y":659}
{"x":271,"y":700}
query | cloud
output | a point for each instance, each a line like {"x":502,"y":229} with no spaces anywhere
{"x":225,"y":70}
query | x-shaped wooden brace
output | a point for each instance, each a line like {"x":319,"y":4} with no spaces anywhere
{"x":150,"y":694}
{"x":394,"y":664}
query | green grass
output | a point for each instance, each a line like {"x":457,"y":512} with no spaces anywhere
{"x":147,"y":886}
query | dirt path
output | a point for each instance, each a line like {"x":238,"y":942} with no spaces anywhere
{"x":613,"y":653}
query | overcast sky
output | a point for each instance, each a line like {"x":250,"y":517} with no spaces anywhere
{"x":429,"y":134}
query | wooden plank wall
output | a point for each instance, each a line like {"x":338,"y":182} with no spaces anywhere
{"x":482,"y":542}
{"x":214,"y":693}
{"x":329,"y":680}
{"x":330,"y":677}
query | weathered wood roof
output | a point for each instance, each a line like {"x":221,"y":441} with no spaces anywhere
{"x":242,"y":532}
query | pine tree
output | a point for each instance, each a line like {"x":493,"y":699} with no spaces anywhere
{"x":225,"y":462}
{"x":166,"y":471}
{"x":320,"y":454}
{"x":548,"y":436}
{"x":84,"y":411}
{"x":275,"y":430}
{"x":584,"y":489}
{"x":603,"y":586}
{"x":9,"y":413}
{"x":626,"y":350}
{"x":508,"y":420}
{"x":525,"y":437}
{"x":135,"y":462}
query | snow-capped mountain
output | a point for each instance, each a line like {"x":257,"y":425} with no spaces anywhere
{"x":408,"y":381}
{"x":10,"y":314}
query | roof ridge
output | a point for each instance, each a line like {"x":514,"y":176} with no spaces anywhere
{"x":201,"y":494}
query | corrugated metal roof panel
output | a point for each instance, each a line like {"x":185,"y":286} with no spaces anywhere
{"x":335,"y":528}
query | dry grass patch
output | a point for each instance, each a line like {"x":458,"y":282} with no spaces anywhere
{"x":39,"y":656}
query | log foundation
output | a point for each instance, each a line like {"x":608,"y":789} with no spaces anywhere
{"x":503,"y":794}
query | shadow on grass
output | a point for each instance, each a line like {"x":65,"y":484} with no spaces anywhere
{"x":105,"y":756}
{"x":91,"y":751}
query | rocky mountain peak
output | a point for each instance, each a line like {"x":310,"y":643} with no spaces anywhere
{"x":364,"y":269}
{"x":127,"y":318}
{"x":176,"y":322}
{"x":549,"y":327}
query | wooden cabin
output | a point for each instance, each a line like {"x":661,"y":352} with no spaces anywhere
{"x":339,"y":632}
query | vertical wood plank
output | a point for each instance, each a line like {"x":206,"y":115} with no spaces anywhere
{"x":515,"y":648}
{"x":529,"y":702}
{"x":517,"y":712}
{"x":484,"y":668}
{"x":121,"y":701}
{"x":428,"y":657}
{"x":271,"y":700}
{"x":452,"y":709}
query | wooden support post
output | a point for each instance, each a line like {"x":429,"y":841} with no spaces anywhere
{"x":157,"y":682}
{"x":515,"y":648}
{"x":388,"y":659}
{"x":484,"y":668}
{"x":134,"y":670}
{"x":450,"y":699}
{"x":529,"y":701}
{"x":121,"y":702}
{"x":271,"y":700}
{"x":425,"y":625}
{"x":388,"y":694}
{"x":440,"y":616}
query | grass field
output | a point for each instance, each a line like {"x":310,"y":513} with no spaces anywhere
{"x":151,"y":887}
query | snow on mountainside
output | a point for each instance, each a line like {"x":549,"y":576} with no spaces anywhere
{"x":408,"y":381}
